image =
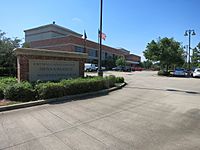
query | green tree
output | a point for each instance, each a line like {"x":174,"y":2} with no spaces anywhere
{"x":7,"y":57}
{"x":120,"y":61}
{"x":147,"y":64}
{"x":109,"y":63}
{"x":166,"y":51}
{"x":26,"y":45}
{"x":196,"y":56}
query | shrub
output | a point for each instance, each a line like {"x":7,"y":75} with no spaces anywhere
{"x":5,"y":71}
{"x":49,"y":90}
{"x":20,"y":92}
{"x":24,"y":91}
{"x":69,"y":87}
{"x":1,"y":93}
{"x":5,"y":82}
{"x":119,"y":80}
{"x":110,"y":81}
{"x":163,"y":73}
{"x":83,"y":85}
{"x":8,"y":80}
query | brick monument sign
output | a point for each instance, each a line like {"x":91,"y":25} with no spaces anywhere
{"x":48,"y":65}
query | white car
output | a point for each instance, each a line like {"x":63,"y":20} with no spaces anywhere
{"x":196,"y":72}
{"x":90,"y":67}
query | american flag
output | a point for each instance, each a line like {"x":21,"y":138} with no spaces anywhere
{"x":103,"y":35}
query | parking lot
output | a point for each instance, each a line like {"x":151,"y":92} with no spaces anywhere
{"x":150,"y":113}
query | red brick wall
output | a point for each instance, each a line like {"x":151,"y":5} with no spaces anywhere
{"x":50,"y":42}
{"x":132,"y":57}
{"x":67,"y":44}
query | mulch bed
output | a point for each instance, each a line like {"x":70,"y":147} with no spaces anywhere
{"x":5,"y":102}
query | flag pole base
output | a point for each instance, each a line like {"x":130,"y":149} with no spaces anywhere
{"x":100,"y":73}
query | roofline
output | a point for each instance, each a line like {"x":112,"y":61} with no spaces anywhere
{"x":134,"y":55}
{"x":55,"y":25}
{"x":46,"y":52}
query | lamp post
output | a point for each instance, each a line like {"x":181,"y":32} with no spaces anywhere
{"x":189,"y":33}
{"x":100,"y":72}
{"x":186,"y":53}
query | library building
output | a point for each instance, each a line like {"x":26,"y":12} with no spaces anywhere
{"x":55,"y":37}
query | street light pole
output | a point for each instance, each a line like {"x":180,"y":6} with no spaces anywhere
{"x":189,"y":33}
{"x":100,"y":72}
{"x":186,"y":53}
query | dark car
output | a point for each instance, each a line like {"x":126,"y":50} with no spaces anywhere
{"x":180,"y":72}
{"x":122,"y":68}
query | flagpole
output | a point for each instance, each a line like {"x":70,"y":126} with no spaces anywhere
{"x":100,"y":72}
{"x":85,"y":38}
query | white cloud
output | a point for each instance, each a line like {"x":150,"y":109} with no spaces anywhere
{"x":76,"y":20}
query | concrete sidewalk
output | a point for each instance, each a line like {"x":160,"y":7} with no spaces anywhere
{"x":141,"y":116}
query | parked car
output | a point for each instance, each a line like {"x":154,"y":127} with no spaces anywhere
{"x":180,"y":72}
{"x":196,"y":73}
{"x":103,"y":68}
{"x":122,"y":68}
{"x":118,"y":68}
{"x":90,"y":67}
{"x":136,"y":69}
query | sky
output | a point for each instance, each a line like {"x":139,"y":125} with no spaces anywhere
{"x":129,"y":24}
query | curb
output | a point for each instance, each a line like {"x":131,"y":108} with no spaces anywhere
{"x":60,"y":99}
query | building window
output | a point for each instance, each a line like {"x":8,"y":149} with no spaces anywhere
{"x":79,"y":49}
{"x":103,"y":56}
{"x":92,"y":52}
{"x":106,"y":55}
{"x":110,"y":56}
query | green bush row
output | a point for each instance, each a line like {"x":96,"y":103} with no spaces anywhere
{"x":119,"y":80}
{"x":8,"y":80}
{"x":20,"y":92}
{"x":1,"y":93}
{"x":71,"y":87}
{"x":5,"y":71}
{"x":5,"y":82}
{"x":163,"y":73}
{"x":24,"y":91}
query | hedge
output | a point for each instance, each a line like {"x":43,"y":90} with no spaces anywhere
{"x":5,"y":82}
{"x":24,"y":91}
{"x":163,"y":73}
{"x":49,"y":90}
{"x":111,"y":81}
{"x":69,"y":87}
{"x":5,"y":71}
{"x":119,"y":80}
{"x":1,"y":93}
{"x":8,"y":80}
{"x":20,"y":92}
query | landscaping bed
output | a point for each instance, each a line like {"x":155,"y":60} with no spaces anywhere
{"x":5,"y":102}
{"x":12,"y":92}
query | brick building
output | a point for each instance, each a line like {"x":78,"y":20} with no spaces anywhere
{"x":55,"y":37}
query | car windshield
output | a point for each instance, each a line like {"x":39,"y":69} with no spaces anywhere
{"x":180,"y":70}
{"x":198,"y":70}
